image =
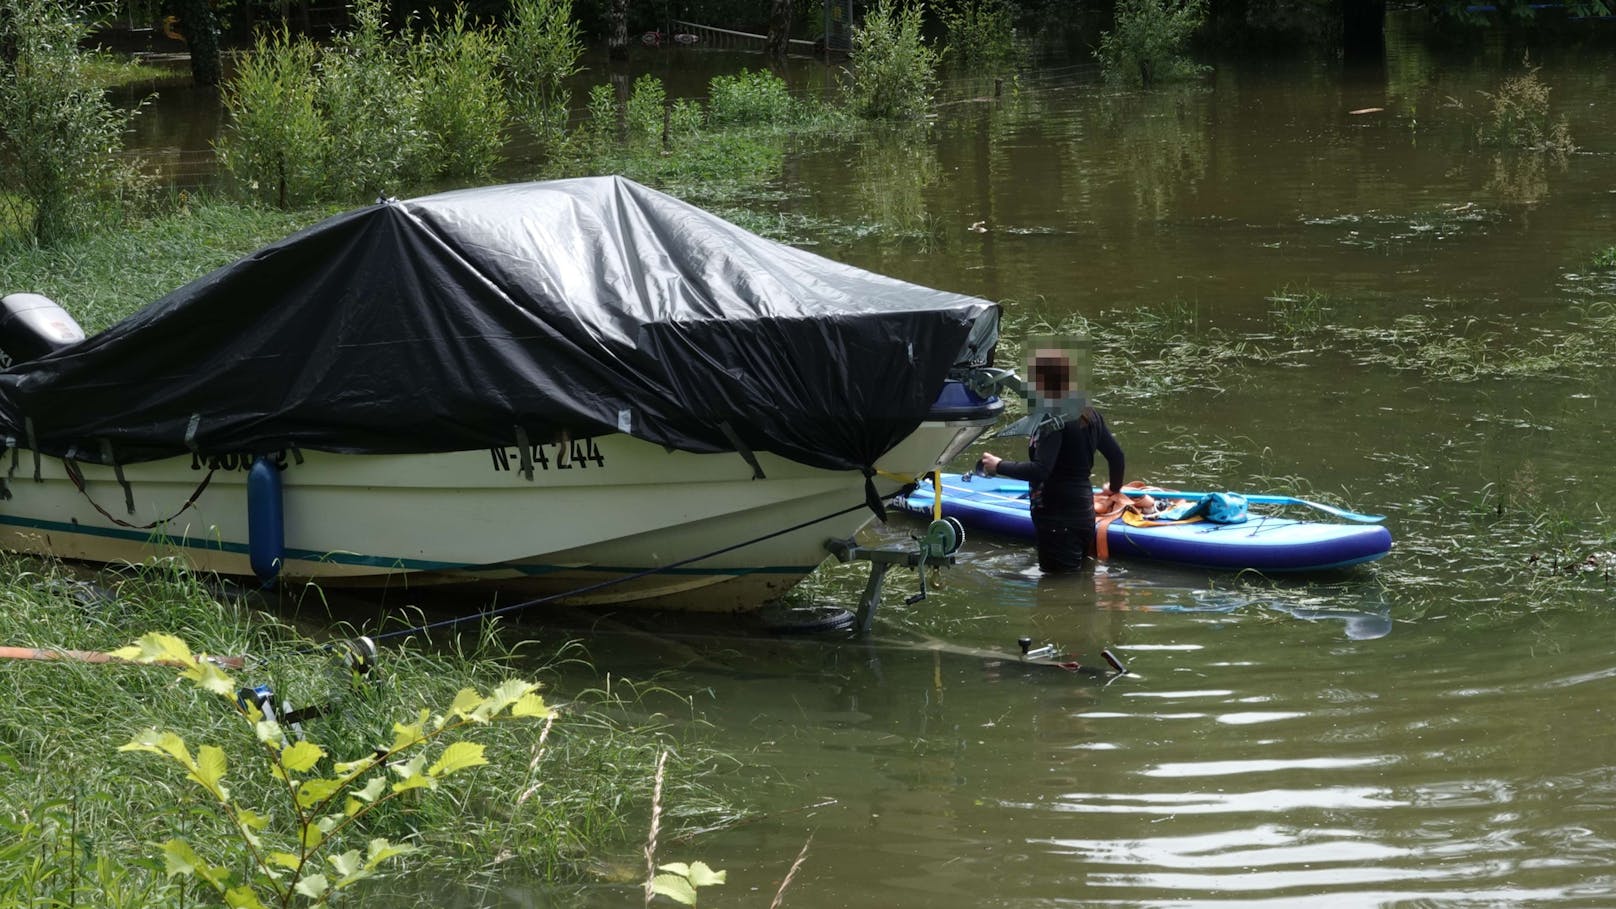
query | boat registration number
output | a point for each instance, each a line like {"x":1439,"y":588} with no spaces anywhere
{"x":566,"y":455}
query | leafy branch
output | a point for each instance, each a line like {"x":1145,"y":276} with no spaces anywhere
{"x":322,"y":807}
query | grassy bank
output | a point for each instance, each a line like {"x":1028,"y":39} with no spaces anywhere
{"x":84,"y":824}
{"x":110,"y":70}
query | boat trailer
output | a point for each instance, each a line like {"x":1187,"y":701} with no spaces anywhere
{"x":935,"y":548}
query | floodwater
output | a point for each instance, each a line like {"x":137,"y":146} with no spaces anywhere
{"x":1286,"y":296}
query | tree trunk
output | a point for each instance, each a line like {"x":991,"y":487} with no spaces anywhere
{"x":1363,"y":30}
{"x":201,"y":30}
{"x":617,"y":44}
{"x":779,"y":30}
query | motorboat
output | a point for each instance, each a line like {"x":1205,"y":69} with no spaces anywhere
{"x":578,"y":387}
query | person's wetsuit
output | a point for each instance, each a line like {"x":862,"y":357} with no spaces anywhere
{"x":1058,"y":472}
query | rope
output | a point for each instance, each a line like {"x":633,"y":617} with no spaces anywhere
{"x":601,"y":585}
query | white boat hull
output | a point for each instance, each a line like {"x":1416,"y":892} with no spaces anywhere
{"x":609,"y":509}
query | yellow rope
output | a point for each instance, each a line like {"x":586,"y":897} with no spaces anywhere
{"x":936,"y":496}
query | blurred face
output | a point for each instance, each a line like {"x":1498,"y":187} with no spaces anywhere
{"x":1052,"y":373}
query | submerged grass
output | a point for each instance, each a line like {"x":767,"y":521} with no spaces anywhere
{"x":86,"y":822}
{"x":110,"y":70}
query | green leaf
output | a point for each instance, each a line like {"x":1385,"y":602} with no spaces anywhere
{"x":457,"y":757}
{"x":179,"y":859}
{"x":270,"y":733}
{"x":209,"y":677}
{"x":373,"y":790}
{"x":419,"y":781}
{"x":165,"y":743}
{"x":156,"y":647}
{"x":346,"y":863}
{"x":209,"y":771}
{"x":503,"y":696}
{"x":313,"y":792}
{"x":250,"y":819}
{"x":466,"y":701}
{"x":410,"y":768}
{"x":381,"y":850}
{"x":284,"y":859}
{"x":679,"y":868}
{"x":702,"y":876}
{"x":312,"y":837}
{"x":242,"y":897}
{"x":675,"y":888}
{"x":314,"y":886}
{"x":301,"y":757}
{"x":407,"y":734}
{"x":531,"y":705}
{"x":347,"y":767}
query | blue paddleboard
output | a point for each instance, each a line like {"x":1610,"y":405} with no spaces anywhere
{"x":1264,"y":542}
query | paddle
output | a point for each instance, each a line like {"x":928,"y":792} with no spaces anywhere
{"x":1259,"y":499}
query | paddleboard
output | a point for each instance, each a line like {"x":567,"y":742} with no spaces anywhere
{"x":1265,"y":542}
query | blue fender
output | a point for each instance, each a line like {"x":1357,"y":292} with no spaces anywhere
{"x":266,"y":520}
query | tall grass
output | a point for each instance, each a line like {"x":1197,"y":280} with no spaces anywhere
{"x":1518,"y":116}
{"x":91,"y":834}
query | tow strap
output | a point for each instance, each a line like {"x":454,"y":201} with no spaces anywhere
{"x":1113,"y":505}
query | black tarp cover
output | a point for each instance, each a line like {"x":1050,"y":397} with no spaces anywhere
{"x":448,"y":322}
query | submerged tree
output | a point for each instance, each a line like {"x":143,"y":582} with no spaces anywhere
{"x":201,"y":29}
{"x":1148,"y":41}
{"x":779,"y":29}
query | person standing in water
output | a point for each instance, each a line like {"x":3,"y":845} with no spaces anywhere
{"x":1064,"y":436}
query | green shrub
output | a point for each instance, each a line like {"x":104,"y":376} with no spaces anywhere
{"x":1147,"y":43}
{"x":685,"y":120}
{"x":372,"y":104}
{"x":59,"y":138}
{"x":748,"y":98}
{"x":981,"y":35}
{"x":541,"y":51}
{"x":894,"y":70}
{"x":1520,"y":117}
{"x":645,"y":108}
{"x":275,"y":142}
{"x":601,"y":126}
{"x":463,"y":112}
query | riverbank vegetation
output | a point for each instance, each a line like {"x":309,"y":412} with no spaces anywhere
{"x":546,"y":800}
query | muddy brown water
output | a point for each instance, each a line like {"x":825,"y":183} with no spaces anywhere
{"x":1432,"y":730}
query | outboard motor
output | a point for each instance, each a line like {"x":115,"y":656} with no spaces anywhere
{"x":32,"y":326}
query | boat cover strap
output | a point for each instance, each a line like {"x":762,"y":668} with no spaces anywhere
{"x":33,"y":445}
{"x":741,"y":448}
{"x":107,"y":457}
{"x":1109,"y":506}
{"x":526,"y":454}
{"x":5,"y":484}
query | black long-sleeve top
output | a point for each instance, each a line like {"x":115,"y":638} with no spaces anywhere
{"x":1061,"y":461}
